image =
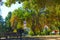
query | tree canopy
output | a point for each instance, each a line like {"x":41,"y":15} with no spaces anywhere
{"x":36,"y":13}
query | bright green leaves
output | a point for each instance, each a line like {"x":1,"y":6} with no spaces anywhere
{"x":9,"y":2}
{"x":20,"y":25}
{"x":27,"y":15}
{"x":26,"y":4}
{"x":17,"y":18}
{"x":19,"y":13}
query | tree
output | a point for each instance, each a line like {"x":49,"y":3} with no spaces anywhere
{"x":1,"y":24}
{"x":17,"y":18}
{"x":8,"y":23}
{"x":37,"y":13}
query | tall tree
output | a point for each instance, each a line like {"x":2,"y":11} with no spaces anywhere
{"x":7,"y":22}
{"x":17,"y":18}
{"x":1,"y":24}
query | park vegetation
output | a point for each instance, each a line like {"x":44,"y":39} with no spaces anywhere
{"x":36,"y":13}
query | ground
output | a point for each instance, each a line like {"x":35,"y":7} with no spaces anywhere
{"x":46,"y":37}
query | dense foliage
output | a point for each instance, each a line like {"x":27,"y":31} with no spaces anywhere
{"x":37,"y":14}
{"x":1,"y":24}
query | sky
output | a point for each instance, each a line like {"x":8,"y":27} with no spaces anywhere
{"x":5,"y":10}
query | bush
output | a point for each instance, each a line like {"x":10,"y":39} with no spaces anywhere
{"x":38,"y":33}
{"x":43,"y":33}
{"x":46,"y":32}
{"x":31,"y":33}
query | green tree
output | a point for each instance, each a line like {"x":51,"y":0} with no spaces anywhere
{"x":1,"y":24}
{"x":37,"y":13}
{"x":7,"y":22}
{"x":17,"y":18}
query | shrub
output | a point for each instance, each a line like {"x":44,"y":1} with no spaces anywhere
{"x":31,"y":33}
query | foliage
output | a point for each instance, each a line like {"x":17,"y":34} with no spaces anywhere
{"x":31,"y":33}
{"x":17,"y":19}
{"x":8,"y":23}
{"x":1,"y":24}
{"x":36,"y":13}
{"x":46,"y":31}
